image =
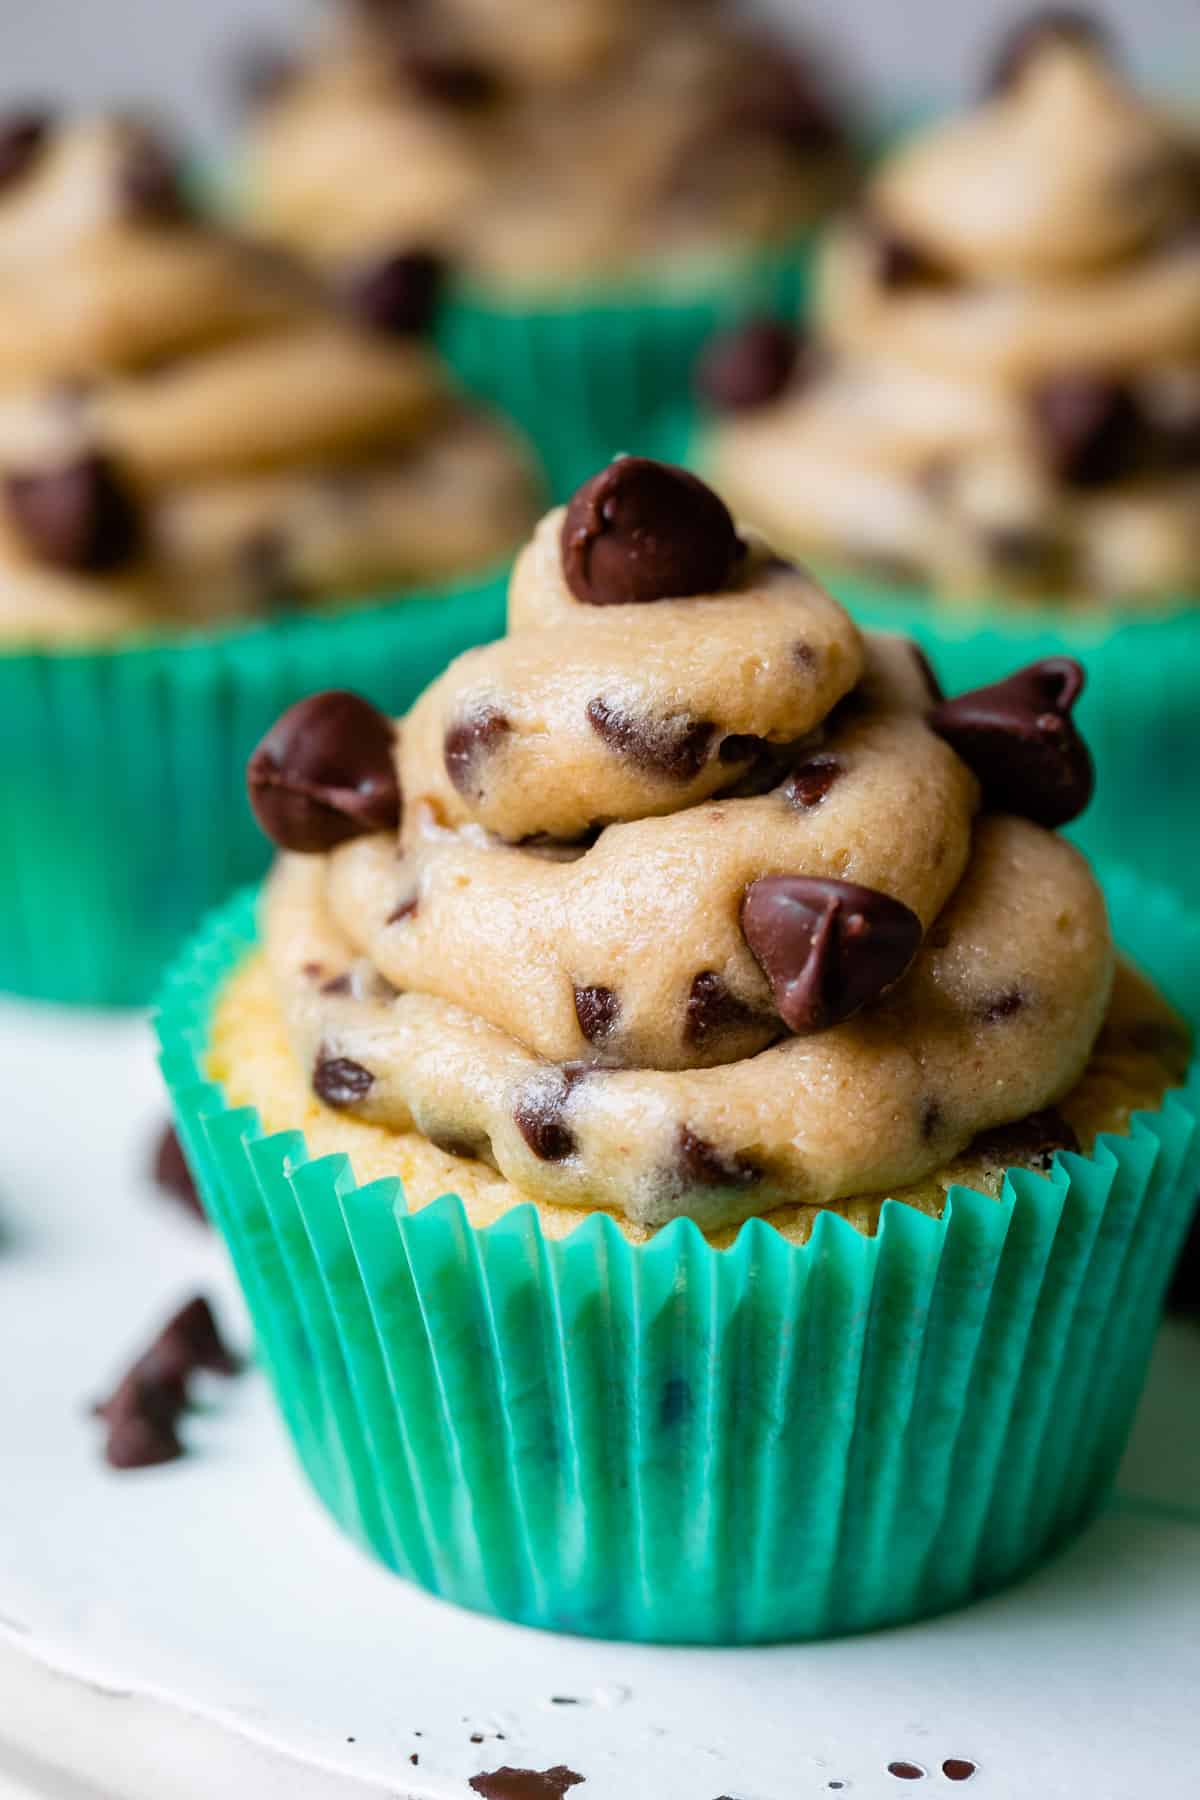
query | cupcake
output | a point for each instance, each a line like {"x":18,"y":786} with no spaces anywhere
{"x":809,"y":1145}
{"x":191,"y":437}
{"x":605,"y":180}
{"x":994,"y":429}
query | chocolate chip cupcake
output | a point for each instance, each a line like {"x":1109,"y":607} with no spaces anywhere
{"x":604,"y":180}
{"x":996,"y":417}
{"x":810,"y":1145}
{"x":191,"y":438}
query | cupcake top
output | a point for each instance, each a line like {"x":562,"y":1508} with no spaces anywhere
{"x":1003,"y":391}
{"x":685,"y":897}
{"x":544,"y":143}
{"x":189,"y":431}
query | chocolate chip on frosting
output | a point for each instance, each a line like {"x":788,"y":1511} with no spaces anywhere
{"x":538,"y":1115}
{"x":78,"y":516}
{"x":469,"y":742}
{"x":396,"y":294}
{"x":23,"y":136}
{"x":1019,"y":738}
{"x":677,"y":747}
{"x":151,"y":186}
{"x":700,"y":1163}
{"x":808,"y":784}
{"x":1040,"y":31}
{"x":461,"y":83}
{"x":712,"y":1008}
{"x":597,"y":1009}
{"x":1090,"y":429}
{"x":827,"y":947}
{"x":899,"y":263}
{"x":641,"y":531}
{"x":340,"y":1081}
{"x":749,"y":365}
{"x":324,"y":773}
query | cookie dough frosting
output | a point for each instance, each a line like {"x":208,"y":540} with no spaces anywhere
{"x":685,"y":897}
{"x":547,"y":142}
{"x":188,"y":431}
{"x":1003,"y":390}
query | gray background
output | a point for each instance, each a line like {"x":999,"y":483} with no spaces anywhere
{"x":176,"y":53}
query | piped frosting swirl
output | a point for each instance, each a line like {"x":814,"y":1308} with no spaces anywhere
{"x":1003,"y":393}
{"x":792,"y":962}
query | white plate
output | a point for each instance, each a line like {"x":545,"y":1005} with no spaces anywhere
{"x":202,"y":1631}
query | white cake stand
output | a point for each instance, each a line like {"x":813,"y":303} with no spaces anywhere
{"x":201,"y":1631}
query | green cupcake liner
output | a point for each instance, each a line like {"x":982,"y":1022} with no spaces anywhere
{"x":1138,"y":711}
{"x":122,"y":776}
{"x":590,"y":375}
{"x":673,"y":1443}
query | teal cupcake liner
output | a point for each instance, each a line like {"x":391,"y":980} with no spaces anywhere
{"x":1138,"y":711}
{"x":591,"y":375}
{"x":673,"y":1443}
{"x":122,"y":776}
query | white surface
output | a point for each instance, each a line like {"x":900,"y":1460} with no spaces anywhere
{"x":201,"y":1630}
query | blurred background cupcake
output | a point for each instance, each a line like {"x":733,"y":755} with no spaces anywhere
{"x":193,"y":438}
{"x":605,"y":179}
{"x":992,"y":433}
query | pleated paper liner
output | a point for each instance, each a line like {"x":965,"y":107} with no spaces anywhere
{"x":122,"y":775}
{"x":678,"y":1444}
{"x":590,"y":375}
{"x":1138,"y":711}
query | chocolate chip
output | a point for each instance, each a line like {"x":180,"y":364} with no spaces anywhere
{"x":396,"y":295}
{"x":538,"y":1114}
{"x":699,"y":1163}
{"x":324,"y":773}
{"x":525,"y":1784}
{"x":1001,"y":1006}
{"x":139,"y":1439}
{"x":928,"y":673}
{"x":906,"y":1771}
{"x":898,"y":263}
{"x":642,"y":531}
{"x":150,"y":184}
{"x":675,"y":1404}
{"x":190,"y":1340}
{"x":1041,"y":30}
{"x":407,"y":909}
{"x":1183,"y":1296}
{"x":459,"y":82}
{"x":597,"y":1009}
{"x":747,"y":366}
{"x":78,"y":516}
{"x":827,"y":947}
{"x":711,"y":1008}
{"x":1019,"y":738}
{"x":339,"y":1081}
{"x":172,"y":1174}
{"x":957,"y":1768}
{"x":143,"y":1410}
{"x":677,"y":748}
{"x":808,"y":784}
{"x":1026,"y":1143}
{"x":468,"y":745}
{"x":23,"y":136}
{"x":262,"y":73}
{"x":1090,"y":430}
{"x":783,"y":99}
